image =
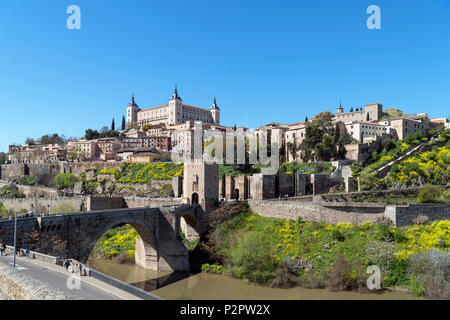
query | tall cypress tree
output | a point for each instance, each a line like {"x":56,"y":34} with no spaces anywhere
{"x":113,"y":125}
{"x":306,"y":119}
{"x":123,"y":123}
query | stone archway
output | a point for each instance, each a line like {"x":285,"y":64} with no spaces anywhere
{"x":146,"y":247}
{"x":194,"y":198}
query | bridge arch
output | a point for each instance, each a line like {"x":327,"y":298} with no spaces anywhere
{"x":148,"y":243}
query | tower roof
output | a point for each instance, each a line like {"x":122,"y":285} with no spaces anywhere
{"x":175,"y":94}
{"x":214,"y":105}
{"x":132,"y":102}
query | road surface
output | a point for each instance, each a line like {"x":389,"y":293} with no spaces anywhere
{"x":57,"y":280}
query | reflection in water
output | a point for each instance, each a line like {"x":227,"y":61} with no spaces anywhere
{"x":178,"y":285}
{"x":147,"y":280}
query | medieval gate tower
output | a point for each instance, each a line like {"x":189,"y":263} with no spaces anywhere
{"x":201,"y":184}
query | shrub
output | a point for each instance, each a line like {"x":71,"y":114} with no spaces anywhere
{"x":338,"y":274}
{"x":381,"y":253}
{"x":429,"y":194}
{"x":252,"y":258}
{"x":26,"y":180}
{"x":213,"y":268}
{"x":313,"y":280}
{"x":64,"y":181}
{"x":432,"y":269}
{"x":420,"y":220}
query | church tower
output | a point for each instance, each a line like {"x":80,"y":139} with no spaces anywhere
{"x":175,"y":108}
{"x":340,"y":109}
{"x":215,"y":112}
{"x":132,"y":111}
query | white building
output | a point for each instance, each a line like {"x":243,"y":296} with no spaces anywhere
{"x":175,"y":112}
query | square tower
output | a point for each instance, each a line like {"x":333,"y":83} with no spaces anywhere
{"x":201,"y":184}
{"x":375,"y":111}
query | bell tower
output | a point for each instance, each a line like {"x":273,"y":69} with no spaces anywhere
{"x":132,"y":111}
{"x":215,"y":112}
{"x":175,"y":108}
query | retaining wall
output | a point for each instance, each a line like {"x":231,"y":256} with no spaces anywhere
{"x":313,"y":211}
{"x":403,"y":215}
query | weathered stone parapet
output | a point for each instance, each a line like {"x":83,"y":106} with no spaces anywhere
{"x":15,"y":285}
{"x":402,"y":215}
{"x":318,"y":211}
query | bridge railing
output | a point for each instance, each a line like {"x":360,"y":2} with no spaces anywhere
{"x":123,"y":286}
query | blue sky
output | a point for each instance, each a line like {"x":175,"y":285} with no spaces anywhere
{"x":265,"y":60}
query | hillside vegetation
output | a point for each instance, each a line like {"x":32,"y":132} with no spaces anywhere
{"x":285,"y":253}
{"x":429,"y":165}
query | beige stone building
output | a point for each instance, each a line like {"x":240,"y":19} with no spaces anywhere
{"x":175,"y":112}
{"x":86,"y":149}
{"x":371,"y":112}
{"x":405,"y":126}
{"x":361,"y":130}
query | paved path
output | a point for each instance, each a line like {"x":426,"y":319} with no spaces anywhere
{"x":56,"y":276}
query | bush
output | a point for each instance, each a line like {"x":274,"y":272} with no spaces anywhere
{"x":252,"y":258}
{"x":213,"y":268}
{"x":25,"y":180}
{"x":381,"y":253}
{"x":65,"y":181}
{"x":420,"y":220}
{"x":432,"y":269}
{"x":429,"y":194}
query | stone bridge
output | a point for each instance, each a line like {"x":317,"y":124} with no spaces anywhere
{"x":77,"y":233}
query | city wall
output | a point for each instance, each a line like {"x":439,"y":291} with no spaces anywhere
{"x":357,"y":213}
{"x":404,"y":215}
{"x":313,"y":211}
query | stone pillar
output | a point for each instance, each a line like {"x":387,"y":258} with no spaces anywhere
{"x":350,"y":184}
{"x":145,"y":256}
{"x":229,"y":187}
{"x":177,"y":185}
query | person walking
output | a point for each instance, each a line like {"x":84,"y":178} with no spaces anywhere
{"x":2,"y":249}
{"x":66,"y":265}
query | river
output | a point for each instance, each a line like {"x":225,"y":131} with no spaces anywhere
{"x":177,"y":285}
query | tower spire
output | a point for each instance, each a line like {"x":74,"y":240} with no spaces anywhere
{"x":214,"y":106}
{"x":175,"y":93}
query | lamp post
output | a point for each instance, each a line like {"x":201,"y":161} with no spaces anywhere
{"x":15,"y":236}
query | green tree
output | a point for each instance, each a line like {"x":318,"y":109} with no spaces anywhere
{"x":65,"y":181}
{"x":91,"y":134}
{"x":51,"y":139}
{"x":123,"y":123}
{"x":113,"y":125}
{"x":367,"y":117}
{"x":318,"y":142}
{"x":292,"y":149}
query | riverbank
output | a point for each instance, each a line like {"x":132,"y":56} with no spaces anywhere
{"x":285,"y":254}
{"x":205,"y":286}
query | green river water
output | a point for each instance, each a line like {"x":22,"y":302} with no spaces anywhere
{"x":176,"y":285}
